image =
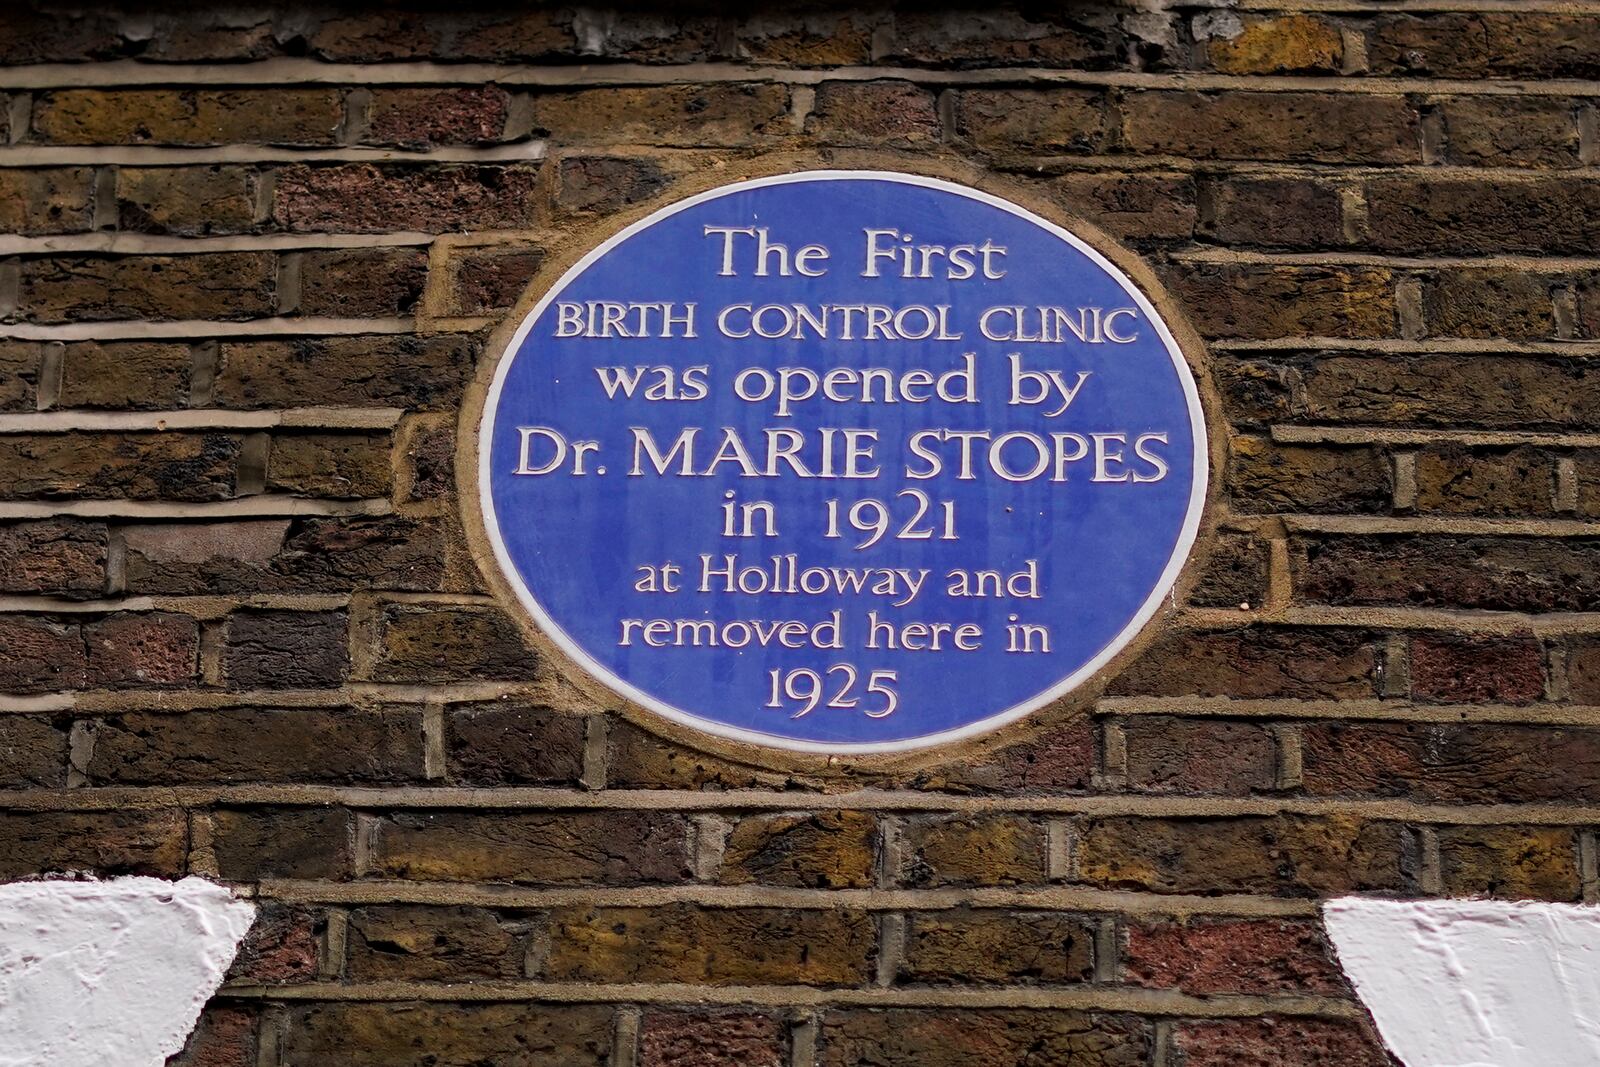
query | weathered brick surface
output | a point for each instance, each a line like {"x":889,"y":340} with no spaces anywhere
{"x":244,"y":634}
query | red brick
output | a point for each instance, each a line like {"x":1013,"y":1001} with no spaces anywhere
{"x":432,"y":198}
{"x":282,"y":947}
{"x":702,"y":1039}
{"x":225,"y":1037}
{"x":597,"y":184}
{"x":1058,"y":758}
{"x":135,"y":650}
{"x":41,"y":654}
{"x":1474,"y":670}
{"x":1277,"y":1042}
{"x":423,"y":118}
{"x":963,"y":1037}
{"x":1264,"y":957}
{"x":492,"y":278}
{"x":1169,"y":755}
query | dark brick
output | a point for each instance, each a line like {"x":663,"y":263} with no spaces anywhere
{"x":806,"y":38}
{"x":252,"y":844}
{"x":881,"y":113}
{"x":1487,"y":44}
{"x":405,"y":372}
{"x":1495,"y":574}
{"x":188,"y":201}
{"x":33,"y":752}
{"x":611,"y":848}
{"x":47,"y":200}
{"x":1149,"y":205}
{"x":512,"y":743}
{"x":355,"y":282}
{"x":1490,"y":303}
{"x":335,"y":745}
{"x":491,"y":278}
{"x":1500,"y":131}
{"x":1311,"y":127}
{"x":405,"y":1034}
{"x":206,"y":285}
{"x":19,"y":374}
{"x":984,"y":947}
{"x":1499,"y":392}
{"x":63,"y":557}
{"x":1265,"y":476}
{"x":638,"y":759}
{"x":670,"y":115}
{"x":339,"y":465}
{"x":281,"y":948}
{"x":1254,"y":302}
{"x":100,"y":466}
{"x":107,"y":843}
{"x":1170,"y":755}
{"x":1236,"y":573}
{"x":41,"y":654}
{"x":286,"y":649}
{"x":1275,"y":213}
{"x":598,"y":184}
{"x":1068,"y":36}
{"x":962,"y":1037}
{"x":1255,"y":663}
{"x":1547,"y":215}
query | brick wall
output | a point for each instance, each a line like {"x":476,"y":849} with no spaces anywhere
{"x":250,"y":263}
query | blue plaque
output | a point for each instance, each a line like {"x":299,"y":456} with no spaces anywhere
{"x":842,"y":461}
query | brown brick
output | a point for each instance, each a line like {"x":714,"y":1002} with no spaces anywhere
{"x":103,"y":466}
{"x":485,"y":34}
{"x":422,"y":118}
{"x":1505,"y":392}
{"x":1583,"y":670}
{"x":187,"y":116}
{"x":1586,"y":465}
{"x":1134,"y":207}
{"x":1510,"y":862}
{"x":512,"y":743}
{"x":805,"y":38}
{"x":356,"y":282}
{"x":492,"y":278}
{"x":603,"y":184}
{"x":987,"y":37}
{"x":405,"y":1034}
{"x":1275,"y":213}
{"x":281,"y":947}
{"x":972,"y":850}
{"x":340,"y":465}
{"x":1490,"y":303}
{"x":1282,"y":44}
{"x":134,"y":650}
{"x":225,"y":745}
{"x":41,"y":654}
{"x":1255,"y":662}
{"x":672,"y":115}
{"x":1048,"y":120}
{"x":1256,"y":392}
{"x":59,"y":556}
{"x":638,"y":759}
{"x":1312,"y":127}
{"x":961,"y":1037}
{"x":106,"y":843}
{"x":33,"y":752}
{"x":1452,"y":480}
{"x":877,"y":114}
{"x":1169,"y":755}
{"x":1495,"y":574}
{"x":1235,"y":573}
{"x":1263,"y":477}
{"x":1449,"y":668}
{"x":1253,"y":956}
{"x":1500,"y":131}
{"x":1482,"y":216}
{"x":226,"y":36}
{"x":1277,"y":1042}
{"x":207,"y":285}
{"x":224,"y":1037}
{"x":129,"y":374}
{"x":1281,"y":855}
{"x":47,"y":200}
{"x":1452,"y":763}
{"x":261,"y":843}
{"x":433,"y":198}
{"x":824,"y":850}
{"x":428,"y":459}
{"x":1249,"y":301}
{"x":19,"y":374}
{"x":712,"y":946}
{"x":286,"y":649}
{"x":283,"y":555}
{"x":707,"y":1039}
{"x":433,"y":644}
{"x":406,"y":371}
{"x":1490,"y":44}
{"x":613,"y":848}
{"x":980,"y":947}
{"x":425,"y":944}
{"x":188,"y":201}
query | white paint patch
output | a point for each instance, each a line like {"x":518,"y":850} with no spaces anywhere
{"x":93,"y":973}
{"x":1474,"y":983}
